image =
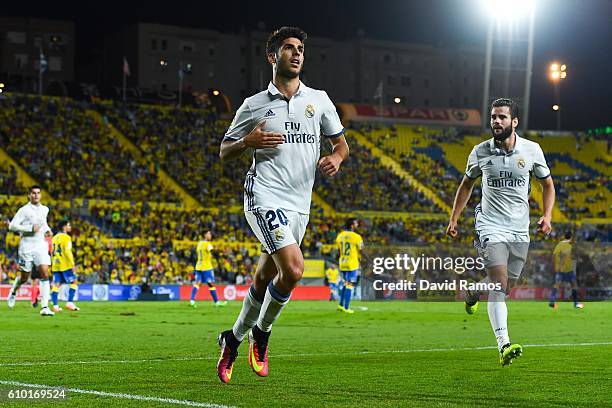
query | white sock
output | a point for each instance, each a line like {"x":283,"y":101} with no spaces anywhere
{"x":248,"y":315}
{"x":45,"y":292}
{"x":272,"y":306}
{"x":498,"y":315}
{"x":16,"y":285}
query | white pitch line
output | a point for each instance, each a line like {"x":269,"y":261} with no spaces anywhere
{"x":161,"y":360}
{"x":117,"y":395}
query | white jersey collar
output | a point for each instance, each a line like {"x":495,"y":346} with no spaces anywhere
{"x":273,"y":90}
{"x":518,"y":142}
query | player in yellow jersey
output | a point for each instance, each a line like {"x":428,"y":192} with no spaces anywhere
{"x":204,"y":271}
{"x":349,"y":244}
{"x":563,"y":264}
{"x":63,"y":266}
{"x":332,"y":275}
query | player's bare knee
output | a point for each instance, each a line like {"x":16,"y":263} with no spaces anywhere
{"x":292,"y":274}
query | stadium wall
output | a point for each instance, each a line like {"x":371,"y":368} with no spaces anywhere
{"x":175,"y":292}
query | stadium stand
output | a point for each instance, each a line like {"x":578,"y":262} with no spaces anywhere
{"x":128,"y":227}
{"x":8,"y":180}
{"x":185,"y":142}
{"x":364,"y":184}
{"x":86,"y":162}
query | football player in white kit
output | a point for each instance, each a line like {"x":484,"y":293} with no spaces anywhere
{"x":506,"y":163}
{"x":31,"y":224}
{"x":281,"y":128}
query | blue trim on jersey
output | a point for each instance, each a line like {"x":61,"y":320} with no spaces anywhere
{"x":472,"y":178}
{"x":207,"y":276}
{"x":262,"y":228}
{"x":267,"y":234}
{"x":66,"y":276}
{"x":248,"y":190}
{"x":542,"y":178}
{"x":565,"y":277}
{"x":336,"y":135}
{"x":350,"y":276}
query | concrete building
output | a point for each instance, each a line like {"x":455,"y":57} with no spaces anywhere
{"x":21,"y":41}
{"x":350,"y":71}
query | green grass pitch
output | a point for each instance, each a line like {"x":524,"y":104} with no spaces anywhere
{"x":392,"y":354}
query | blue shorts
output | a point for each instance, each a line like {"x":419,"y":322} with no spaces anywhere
{"x":350,"y":276}
{"x":205,"y":276}
{"x":66,"y":276}
{"x":565,"y":277}
{"x":333,"y":286}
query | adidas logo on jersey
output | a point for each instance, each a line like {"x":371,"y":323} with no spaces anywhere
{"x":269,"y":113}
{"x":489,"y":163}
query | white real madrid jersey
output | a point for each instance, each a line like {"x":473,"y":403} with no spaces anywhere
{"x":504,"y":205}
{"x":283,"y":176}
{"x":23,"y":222}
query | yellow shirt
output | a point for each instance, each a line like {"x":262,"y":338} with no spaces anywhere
{"x":204,"y":250}
{"x":349,"y":244}
{"x":562,"y":257}
{"x":332,"y":275}
{"x":62,"y":253}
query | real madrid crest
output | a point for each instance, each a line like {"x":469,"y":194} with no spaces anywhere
{"x":310,"y":111}
{"x":279,"y":233}
{"x":521,"y":163}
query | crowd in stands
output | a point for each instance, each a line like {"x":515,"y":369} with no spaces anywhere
{"x":364,"y":184}
{"x":150,"y":255}
{"x":155,"y":255}
{"x":8,"y":180}
{"x":185,"y":143}
{"x":72,"y":155}
{"x":131,"y":237}
{"x":579,"y":194}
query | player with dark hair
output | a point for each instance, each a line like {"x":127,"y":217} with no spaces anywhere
{"x":63,"y":266}
{"x":565,"y":271}
{"x":281,"y":128}
{"x":349,"y":245}
{"x":204,"y":271}
{"x":31,"y":224}
{"x":506,"y":163}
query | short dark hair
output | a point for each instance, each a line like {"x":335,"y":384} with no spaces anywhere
{"x":568,"y":234}
{"x":35,"y":186}
{"x":514,"y":108}
{"x":62,"y":224}
{"x":275,"y":40}
{"x":349,"y":223}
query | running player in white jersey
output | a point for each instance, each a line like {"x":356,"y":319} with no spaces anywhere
{"x":281,"y":128}
{"x":506,"y":163}
{"x":31,"y":224}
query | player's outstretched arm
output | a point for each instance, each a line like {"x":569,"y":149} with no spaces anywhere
{"x":461,"y":199}
{"x":548,"y":198}
{"x":256,"y":139}
{"x":330,"y":165}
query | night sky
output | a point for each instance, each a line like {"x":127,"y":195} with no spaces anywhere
{"x":578,"y":32}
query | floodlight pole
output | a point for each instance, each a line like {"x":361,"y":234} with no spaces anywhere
{"x":180,"y":86}
{"x":40,"y":80}
{"x":487,"y":78}
{"x":40,"y":71}
{"x":557,"y":86}
{"x":527,"y":93}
